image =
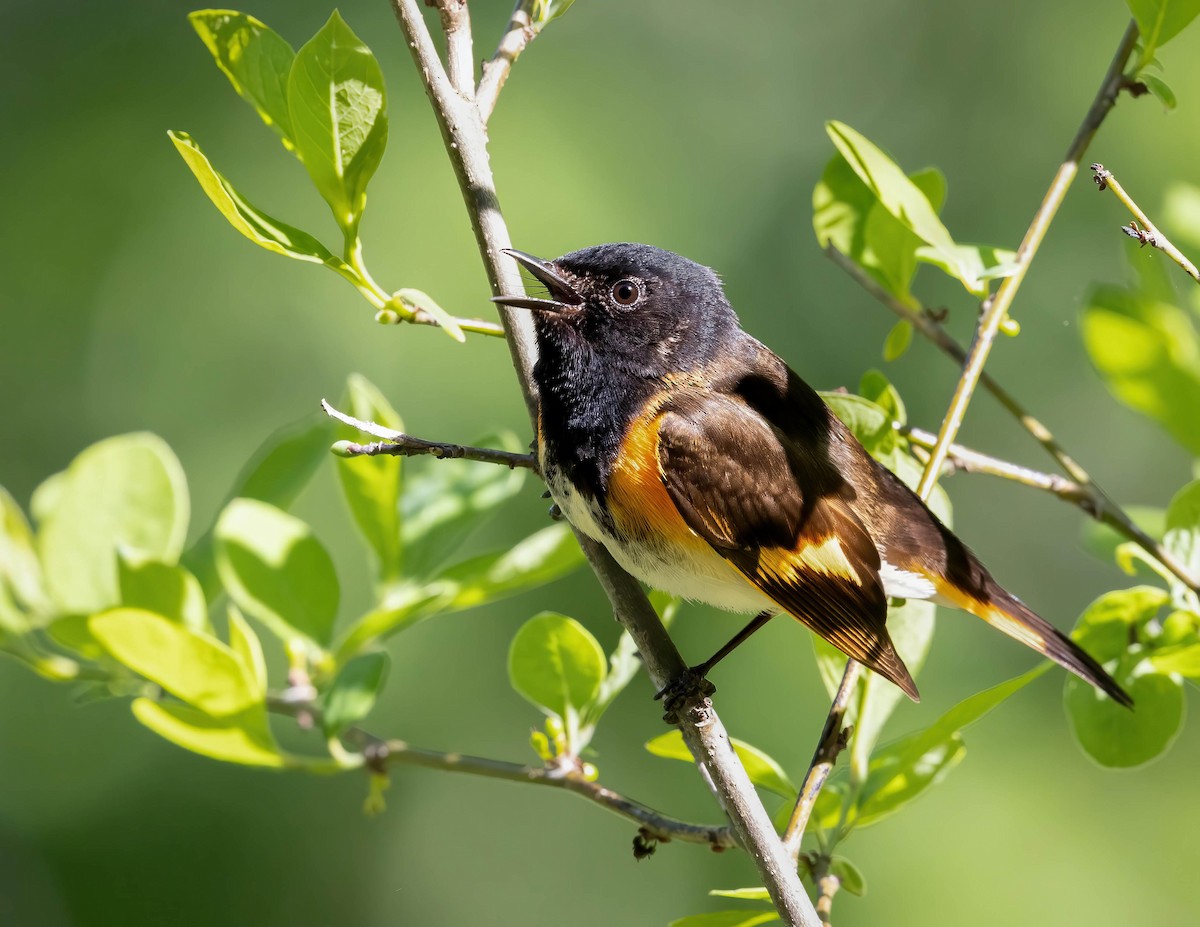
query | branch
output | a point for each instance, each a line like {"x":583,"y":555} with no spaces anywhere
{"x":460,"y":56}
{"x":995,"y":308}
{"x":520,"y":32}
{"x":465,"y":138}
{"x":1148,"y":233}
{"x":399,"y":444}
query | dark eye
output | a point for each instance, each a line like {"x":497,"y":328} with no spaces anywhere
{"x":626,"y":292}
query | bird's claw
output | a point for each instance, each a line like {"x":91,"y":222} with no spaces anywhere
{"x":689,"y":686}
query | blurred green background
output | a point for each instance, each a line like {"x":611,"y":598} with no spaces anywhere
{"x":128,"y":303}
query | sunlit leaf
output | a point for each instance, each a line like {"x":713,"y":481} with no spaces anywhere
{"x":1159,"y":21}
{"x":1111,"y":622}
{"x":849,"y":875}
{"x":19,"y":567}
{"x":128,"y":493}
{"x":1115,"y":736}
{"x":246,"y":647}
{"x":254,"y":58}
{"x":338,"y":107}
{"x":418,"y":299}
{"x":275,"y":569}
{"x":556,"y":664}
{"x":757,"y":893}
{"x":244,"y":739}
{"x":164,"y":588}
{"x":371,"y":485}
{"x":194,"y":667}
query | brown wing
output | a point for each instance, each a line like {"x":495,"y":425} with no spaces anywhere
{"x":782,"y":519}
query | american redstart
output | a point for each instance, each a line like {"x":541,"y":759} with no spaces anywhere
{"x":711,"y":471}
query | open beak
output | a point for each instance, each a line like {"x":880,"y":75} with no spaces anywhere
{"x":563,"y":298}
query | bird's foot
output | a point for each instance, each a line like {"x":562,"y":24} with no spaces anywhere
{"x":689,"y":686}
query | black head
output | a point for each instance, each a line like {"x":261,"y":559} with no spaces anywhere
{"x":642,"y":309}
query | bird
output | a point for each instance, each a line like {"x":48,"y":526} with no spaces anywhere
{"x":712,"y":471}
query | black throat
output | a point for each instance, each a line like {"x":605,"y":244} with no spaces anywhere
{"x":587,"y":400}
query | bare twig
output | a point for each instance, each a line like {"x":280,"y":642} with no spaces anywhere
{"x":1147,"y":233}
{"x":399,"y":444}
{"x":460,"y":55}
{"x":832,"y":742}
{"x":465,"y":138}
{"x":995,"y":308}
{"x":475,"y":326}
{"x":827,"y":887}
{"x":520,"y":32}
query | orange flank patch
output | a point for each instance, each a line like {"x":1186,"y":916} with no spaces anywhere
{"x":998,"y":619}
{"x":637,"y":498}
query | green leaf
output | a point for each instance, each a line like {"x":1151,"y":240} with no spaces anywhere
{"x":1148,"y":353}
{"x":338,"y":108}
{"x":546,"y":11}
{"x":762,"y":769}
{"x":875,"y":387}
{"x":1181,"y":213}
{"x":275,"y":569}
{"x":1102,"y":542}
{"x":371,"y":485}
{"x":1161,"y":89}
{"x":1159,"y":21}
{"x":276,"y":473}
{"x":542,"y":557}
{"x":726,"y":919}
{"x":417,"y":299}
{"x":252,"y":222}
{"x":556,"y":664}
{"x":898,"y":340}
{"x":906,"y":203}
{"x":127,"y":492}
{"x":870,"y":423}
{"x":353,"y":693}
{"x":1117,"y":737}
{"x":890,"y":786}
{"x":245,"y":645}
{"x":757,"y":893}
{"x":1107,"y":626}
{"x":244,"y":739}
{"x":19,"y":567}
{"x":444,"y":503}
{"x":256,"y":61}
{"x":1182,"y":537}
{"x":193,"y":667}
{"x":403,"y":607}
{"x":1182,"y":660}
{"x":163,"y":588}
{"x":850,"y":876}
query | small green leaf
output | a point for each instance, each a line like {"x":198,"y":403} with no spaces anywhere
{"x":758,"y":893}
{"x":276,"y":473}
{"x":163,"y":588}
{"x":19,"y":567}
{"x":726,"y":919}
{"x":893,"y":786}
{"x":898,"y":340}
{"x":443,"y":503}
{"x":877,"y":388}
{"x":403,"y":607}
{"x":244,"y":739}
{"x":245,"y":645}
{"x":256,"y":61}
{"x":850,"y":876}
{"x":556,"y":664}
{"x":1159,"y":21}
{"x":193,"y":667}
{"x":1107,"y":626}
{"x":353,"y":693}
{"x":1148,"y":353}
{"x":762,"y":769}
{"x":1117,"y":737}
{"x":338,"y":108}
{"x":252,"y":222}
{"x":546,"y":11}
{"x":371,"y":485}
{"x":275,"y":569}
{"x":1182,"y":536}
{"x":1182,"y":660}
{"x":1161,"y":89}
{"x":127,"y":492}
{"x":871,"y":424}
{"x":417,"y":299}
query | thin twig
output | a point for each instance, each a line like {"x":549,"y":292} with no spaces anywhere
{"x":1147,"y":233}
{"x":460,"y":54}
{"x":399,"y":444}
{"x":832,"y":742}
{"x":475,"y":326}
{"x":465,"y":139}
{"x":995,"y":308}
{"x":520,"y":32}
{"x":827,"y":887}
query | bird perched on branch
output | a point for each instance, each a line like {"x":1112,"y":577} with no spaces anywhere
{"x":711,"y":471}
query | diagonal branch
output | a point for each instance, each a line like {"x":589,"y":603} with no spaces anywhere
{"x":465,"y":137}
{"x":520,"y":32}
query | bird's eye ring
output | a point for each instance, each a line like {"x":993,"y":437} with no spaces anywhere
{"x":626,"y":292}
